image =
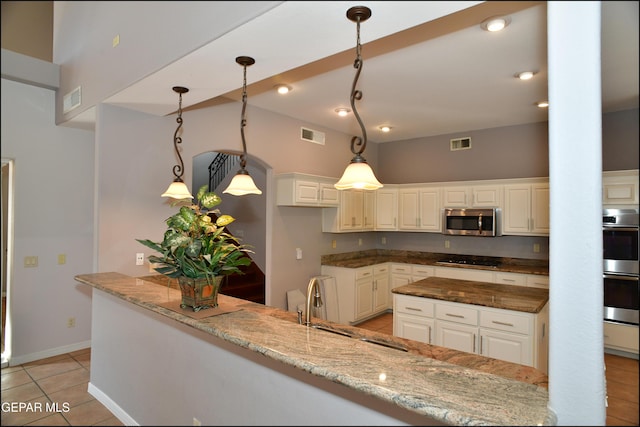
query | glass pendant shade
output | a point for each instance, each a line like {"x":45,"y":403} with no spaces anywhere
{"x":178,"y":190}
{"x":358,"y":175}
{"x":242,"y":184}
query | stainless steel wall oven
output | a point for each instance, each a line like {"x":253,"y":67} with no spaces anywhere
{"x":621,"y":245}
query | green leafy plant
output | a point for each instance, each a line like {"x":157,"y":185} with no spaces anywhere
{"x":195,"y":245}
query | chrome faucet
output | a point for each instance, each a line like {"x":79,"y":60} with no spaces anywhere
{"x":313,"y":292}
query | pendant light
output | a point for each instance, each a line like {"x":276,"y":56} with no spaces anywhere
{"x":358,"y":173}
{"x":178,"y":189}
{"x":242,"y":184}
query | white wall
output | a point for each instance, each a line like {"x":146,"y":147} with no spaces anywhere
{"x":53,"y":213}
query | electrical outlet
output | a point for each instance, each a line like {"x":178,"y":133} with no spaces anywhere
{"x":71,"y":322}
{"x":536,"y":247}
{"x":384,"y":240}
{"x":298,"y":253}
{"x":359,"y":242}
{"x":333,"y":244}
{"x":447,"y":244}
{"x":140,"y":258}
{"x":31,"y":261}
{"x":62,"y":259}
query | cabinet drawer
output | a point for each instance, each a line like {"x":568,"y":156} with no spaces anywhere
{"x":423,"y":270}
{"x":362,"y":273}
{"x":505,"y":321}
{"x":457,"y":313}
{"x":380,"y":269}
{"x":401,"y":268}
{"x":413,"y":305}
{"x":535,"y":281}
{"x":511,"y":279}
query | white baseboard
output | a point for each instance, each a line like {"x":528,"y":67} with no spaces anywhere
{"x":20,"y":360}
{"x":116,"y":410}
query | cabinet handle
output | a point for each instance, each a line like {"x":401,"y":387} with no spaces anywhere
{"x":474,"y":343}
{"x":505,"y":279}
{"x":375,"y":285}
{"x":480,"y":344}
{"x":413,"y":309}
{"x":454,"y":315}
{"x":429,"y":337}
{"x":502,"y":323}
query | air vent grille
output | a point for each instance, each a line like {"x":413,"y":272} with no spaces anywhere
{"x":72,"y":100}
{"x":312,"y":136}
{"x":460,"y":144}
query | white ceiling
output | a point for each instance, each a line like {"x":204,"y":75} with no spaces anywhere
{"x":422,"y":76}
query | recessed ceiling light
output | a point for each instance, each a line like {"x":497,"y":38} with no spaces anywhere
{"x":282,"y":89}
{"x":385,"y":128}
{"x":525,"y":75}
{"x":495,"y":23}
{"x":342,"y":111}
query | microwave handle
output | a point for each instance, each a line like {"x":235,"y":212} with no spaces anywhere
{"x":480,"y":223}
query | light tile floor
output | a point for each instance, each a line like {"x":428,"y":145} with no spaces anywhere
{"x":52,"y":392}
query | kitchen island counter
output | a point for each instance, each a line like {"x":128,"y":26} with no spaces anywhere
{"x":506,"y":297}
{"x":429,"y":388}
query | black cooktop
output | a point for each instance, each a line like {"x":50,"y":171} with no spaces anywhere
{"x":469,"y":260}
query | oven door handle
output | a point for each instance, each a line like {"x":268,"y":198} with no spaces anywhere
{"x":605,"y":228}
{"x":620,"y":277}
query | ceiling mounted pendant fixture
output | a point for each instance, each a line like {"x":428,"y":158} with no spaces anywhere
{"x":358,"y":173}
{"x":178,"y":189}
{"x":242,"y":184}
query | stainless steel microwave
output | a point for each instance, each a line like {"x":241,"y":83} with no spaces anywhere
{"x":471,"y":221}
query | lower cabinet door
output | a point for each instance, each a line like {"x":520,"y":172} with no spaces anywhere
{"x":413,"y":327}
{"x":456,"y":336}
{"x":505,"y":346}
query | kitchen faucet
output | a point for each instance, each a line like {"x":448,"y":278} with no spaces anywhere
{"x":312,"y":288}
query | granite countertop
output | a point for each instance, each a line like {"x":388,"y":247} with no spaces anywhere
{"x":507,"y":297}
{"x":446,"y":385}
{"x":378,"y":256}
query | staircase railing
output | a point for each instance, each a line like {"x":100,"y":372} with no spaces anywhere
{"x":219,"y":167}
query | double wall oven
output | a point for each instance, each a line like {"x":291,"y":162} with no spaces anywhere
{"x":621,"y":244}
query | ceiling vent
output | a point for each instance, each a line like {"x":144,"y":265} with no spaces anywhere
{"x":72,"y":100}
{"x":460,"y":143}
{"x":312,"y":136}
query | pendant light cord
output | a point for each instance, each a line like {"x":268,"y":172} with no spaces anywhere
{"x":243,"y":120}
{"x":357,"y":95}
{"x":178,"y":170}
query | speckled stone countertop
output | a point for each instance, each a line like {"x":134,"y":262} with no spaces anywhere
{"x":445,"y":385}
{"x":507,"y":297}
{"x":378,"y":256}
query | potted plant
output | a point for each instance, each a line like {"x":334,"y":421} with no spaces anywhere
{"x":198,"y":250}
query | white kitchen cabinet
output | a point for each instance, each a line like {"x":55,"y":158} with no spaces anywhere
{"x":355,"y":213}
{"x":519,"y":279}
{"x":296,"y":189}
{"x":465,"y":274}
{"x":620,"y":188}
{"x":381,"y":293}
{"x":456,"y":326}
{"x":508,"y":335}
{"x":413,"y":318}
{"x":471,"y":196}
{"x":621,"y":337}
{"x":362,"y":292}
{"x":419,"y":209}
{"x":403,"y":274}
{"x":386,"y":209}
{"x":526,"y":209}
